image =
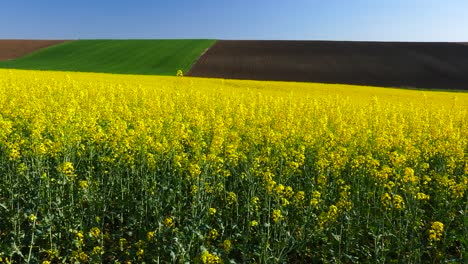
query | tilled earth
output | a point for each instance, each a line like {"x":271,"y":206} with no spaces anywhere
{"x":387,"y":64}
{"x":12,"y":49}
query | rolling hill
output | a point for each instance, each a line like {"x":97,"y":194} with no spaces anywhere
{"x":159,"y":57}
{"x":388,"y":64}
{"x":15,"y":48}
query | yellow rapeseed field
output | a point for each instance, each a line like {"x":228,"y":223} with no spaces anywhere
{"x":129,"y":169}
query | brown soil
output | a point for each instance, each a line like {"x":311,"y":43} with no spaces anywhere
{"x":388,"y":64}
{"x":12,"y":49}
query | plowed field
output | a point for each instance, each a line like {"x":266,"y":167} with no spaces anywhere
{"x":12,"y":48}
{"x":388,"y":64}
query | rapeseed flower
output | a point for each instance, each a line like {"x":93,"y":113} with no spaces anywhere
{"x":315,"y":200}
{"x":227,"y":244}
{"x":97,"y":250}
{"x":254,"y":203}
{"x":210,"y":258}
{"x":84,"y":184}
{"x":276,"y":215}
{"x":398,"y":202}
{"x":253,"y":223}
{"x":95,"y":232}
{"x":66,"y":168}
{"x":436,"y":231}
{"x":231,"y":198}
{"x":212,"y":211}
{"x":150,"y":235}
{"x":32,"y":217}
{"x":213,"y":234}
{"x":169,"y":222}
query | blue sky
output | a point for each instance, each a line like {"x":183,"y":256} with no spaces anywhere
{"x":384,"y":20}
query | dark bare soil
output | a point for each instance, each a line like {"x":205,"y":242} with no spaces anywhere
{"x":12,"y":49}
{"x":387,"y":64}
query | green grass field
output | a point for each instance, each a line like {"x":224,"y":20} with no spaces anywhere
{"x":160,"y":57}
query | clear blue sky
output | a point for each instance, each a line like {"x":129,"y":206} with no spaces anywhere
{"x":385,"y":20}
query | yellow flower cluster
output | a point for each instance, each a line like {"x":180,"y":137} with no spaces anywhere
{"x":66,"y":168}
{"x":231,"y":198}
{"x":212,"y":211}
{"x":436,"y":231}
{"x":329,"y":216}
{"x":213,"y":234}
{"x":169,"y":222}
{"x":210,"y":258}
{"x":394,"y":201}
{"x":276,"y":215}
{"x":272,"y":163}
{"x":227,"y":244}
{"x":95,"y":232}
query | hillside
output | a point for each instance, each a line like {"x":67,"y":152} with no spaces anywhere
{"x":15,"y":48}
{"x":161,"y":57}
{"x":387,"y":64}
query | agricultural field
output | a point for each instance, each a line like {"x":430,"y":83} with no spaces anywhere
{"x":14,"y":48}
{"x":160,"y":57}
{"x":414,"y":65}
{"x":158,"y":169}
{"x":422,"y":65}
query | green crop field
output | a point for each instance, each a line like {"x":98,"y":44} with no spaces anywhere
{"x":161,"y":57}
